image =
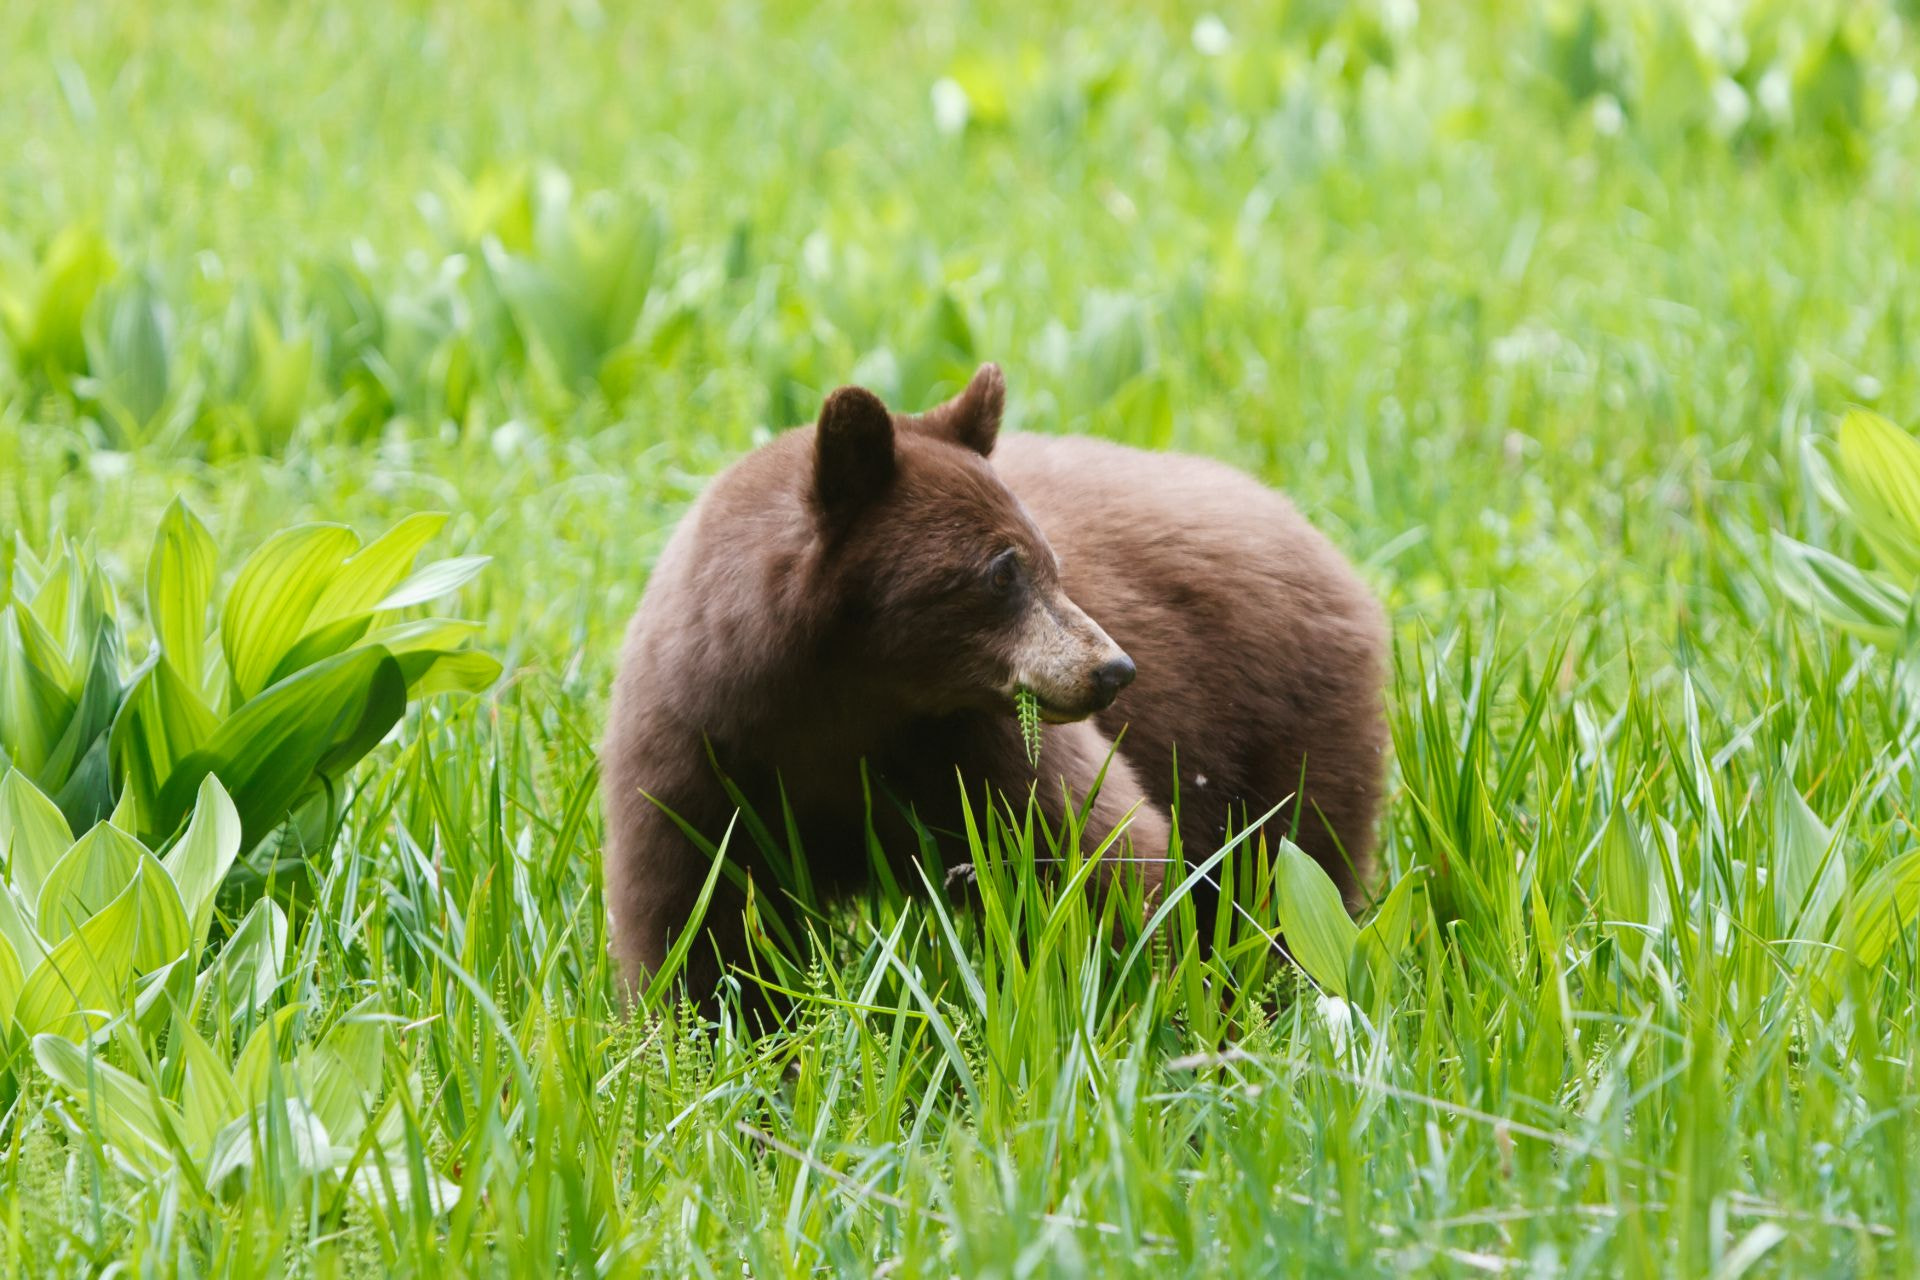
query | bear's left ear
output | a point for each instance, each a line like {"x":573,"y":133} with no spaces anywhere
{"x":852,"y":452}
{"x":972,"y":418}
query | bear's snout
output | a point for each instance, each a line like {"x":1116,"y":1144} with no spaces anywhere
{"x":1109,"y":678}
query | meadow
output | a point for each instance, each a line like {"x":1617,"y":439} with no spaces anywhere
{"x":1585,"y":328}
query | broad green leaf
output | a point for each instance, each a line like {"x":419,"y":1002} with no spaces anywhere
{"x":1842,"y":594}
{"x":1383,"y":939}
{"x":200,"y":859}
{"x":49,"y":332}
{"x":1880,"y":465}
{"x":12,"y":979}
{"x":77,"y":769}
{"x":1319,"y":933}
{"x":209,"y":1099}
{"x":1633,"y":892}
{"x":342,"y":1074}
{"x":273,"y":595}
{"x":162,"y":722}
{"x":1809,"y":875}
{"x":95,"y":871}
{"x":126,"y":1110}
{"x":85,"y":980}
{"x":442,"y":577}
{"x":16,"y":927}
{"x":33,"y":834}
{"x":468,"y":671}
{"x":180,"y":572}
{"x":267,"y":1045}
{"x":267,"y":752}
{"x":250,"y":965}
{"x":1885,"y":907}
{"x":45,"y":648}
{"x":34,"y":709}
{"x":320,"y":644}
{"x":378,"y":568}
{"x":423,"y":634}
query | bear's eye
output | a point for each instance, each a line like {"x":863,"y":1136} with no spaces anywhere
{"x":1003,"y":574}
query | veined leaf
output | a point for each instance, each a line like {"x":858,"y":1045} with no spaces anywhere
{"x":1809,"y":870}
{"x":199,"y":861}
{"x":34,"y":710}
{"x":249,"y":966}
{"x":126,"y":1109}
{"x":33,"y":834}
{"x":1844,"y":595}
{"x":95,"y":871}
{"x":85,"y":979}
{"x":209,"y":1099}
{"x":268,"y":751}
{"x":1880,"y":466}
{"x":12,"y":980}
{"x":180,"y":571}
{"x":1382,"y":940}
{"x":467,"y":671}
{"x":273,"y":596}
{"x":1633,"y":891}
{"x":343,"y":1072}
{"x":1319,"y":933}
{"x":377,"y":569}
{"x":161,"y":722}
{"x":442,"y":577}
{"x":1885,"y":907}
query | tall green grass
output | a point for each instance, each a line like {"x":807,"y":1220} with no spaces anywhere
{"x":1545,"y":312}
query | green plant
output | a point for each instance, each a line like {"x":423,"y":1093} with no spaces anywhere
{"x":316,"y":655}
{"x":1869,"y":475}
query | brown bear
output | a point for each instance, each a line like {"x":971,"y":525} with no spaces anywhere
{"x":877,"y":587}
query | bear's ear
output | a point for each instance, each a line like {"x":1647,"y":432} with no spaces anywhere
{"x":972,"y":418}
{"x":852,"y":451}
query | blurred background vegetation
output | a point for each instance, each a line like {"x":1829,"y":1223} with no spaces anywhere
{"x":1534,"y":305}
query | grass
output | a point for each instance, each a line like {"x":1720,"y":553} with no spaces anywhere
{"x":1512,"y":298}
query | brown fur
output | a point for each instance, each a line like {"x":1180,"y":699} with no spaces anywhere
{"x":835,"y":596}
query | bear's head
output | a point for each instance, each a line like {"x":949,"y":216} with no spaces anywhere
{"x":947,"y":594}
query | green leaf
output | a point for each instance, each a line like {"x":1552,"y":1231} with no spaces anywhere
{"x":92,"y":873}
{"x":84,"y":981}
{"x":1633,"y":892}
{"x":376,"y":570}
{"x":12,"y":979}
{"x":34,"y":709}
{"x":1884,"y":908}
{"x":128,"y":1113}
{"x":161,"y":722}
{"x":210,"y":1100}
{"x":468,"y":671}
{"x":77,"y":768}
{"x":1383,"y":939}
{"x":1842,"y":594}
{"x":269,"y":751}
{"x":199,"y":861}
{"x":250,"y":964}
{"x":272,"y":597}
{"x":33,"y":834}
{"x":343,"y":1072}
{"x":180,"y":572}
{"x":442,"y":577}
{"x":1880,"y":467}
{"x":1319,"y":933}
{"x":1809,"y":875}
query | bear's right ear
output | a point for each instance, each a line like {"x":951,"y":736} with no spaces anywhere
{"x":852,"y":452}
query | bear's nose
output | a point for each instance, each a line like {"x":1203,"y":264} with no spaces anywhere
{"x":1110,"y":677}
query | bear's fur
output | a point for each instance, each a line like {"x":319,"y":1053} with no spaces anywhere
{"x":876,"y":587}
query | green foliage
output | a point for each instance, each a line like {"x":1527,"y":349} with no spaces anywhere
{"x":1872,"y":483}
{"x":1530,"y":305}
